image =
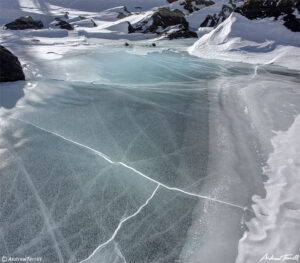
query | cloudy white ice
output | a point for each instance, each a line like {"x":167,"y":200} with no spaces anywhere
{"x":150,"y":154}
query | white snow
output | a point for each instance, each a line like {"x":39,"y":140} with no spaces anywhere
{"x":274,"y":231}
{"x":252,"y":41}
{"x":144,"y":117}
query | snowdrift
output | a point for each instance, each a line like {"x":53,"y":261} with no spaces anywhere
{"x":277,"y":215}
{"x":253,"y":41}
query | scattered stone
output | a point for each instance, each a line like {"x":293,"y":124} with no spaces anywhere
{"x":153,"y":45}
{"x":10,"y":66}
{"x":64,"y":25}
{"x":66,"y":15}
{"x":26,"y":22}
{"x":126,"y":44}
{"x":94,"y":23}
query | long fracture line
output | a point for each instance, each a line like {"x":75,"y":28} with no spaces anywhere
{"x":109,"y":160}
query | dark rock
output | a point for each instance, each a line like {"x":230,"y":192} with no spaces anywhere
{"x":64,"y":25}
{"x":210,"y":21}
{"x":182,"y":34}
{"x":130,"y":28}
{"x":153,"y":45}
{"x":66,"y":15}
{"x":254,"y":9}
{"x":292,"y":23}
{"x":24,"y":23}
{"x":94,"y":23}
{"x":10,"y":66}
{"x":191,"y":5}
{"x":215,"y":19}
{"x":126,"y":44}
{"x":123,"y":14}
{"x":178,"y":31}
{"x":162,"y":18}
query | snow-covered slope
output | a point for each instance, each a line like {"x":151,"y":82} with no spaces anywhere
{"x":272,"y":233}
{"x":253,"y":41}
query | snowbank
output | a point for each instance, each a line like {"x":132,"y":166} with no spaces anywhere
{"x":253,"y":41}
{"x":275,"y":229}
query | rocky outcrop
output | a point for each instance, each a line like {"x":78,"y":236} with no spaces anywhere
{"x":285,"y":10}
{"x":24,"y":23}
{"x":169,"y":23}
{"x":217,"y":18}
{"x":195,"y":5}
{"x":161,"y":19}
{"x":254,"y":9}
{"x":124,"y":13}
{"x":10,"y":66}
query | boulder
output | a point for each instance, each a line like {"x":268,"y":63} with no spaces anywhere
{"x":161,"y":19}
{"x":22,"y":23}
{"x":130,"y":28}
{"x":10,"y":66}
{"x":175,"y":32}
{"x":64,"y":25}
{"x":182,"y":34}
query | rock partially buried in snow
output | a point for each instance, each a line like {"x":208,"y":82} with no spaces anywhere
{"x":22,"y":23}
{"x":123,"y":13}
{"x":64,"y":25}
{"x":175,"y":32}
{"x":161,"y":19}
{"x":166,"y":22}
{"x":253,"y":9}
{"x":252,"y":41}
{"x":10,"y":66}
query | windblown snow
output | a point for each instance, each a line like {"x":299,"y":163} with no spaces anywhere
{"x":128,"y":147}
{"x":252,"y":41}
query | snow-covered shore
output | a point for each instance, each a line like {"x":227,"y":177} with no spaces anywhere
{"x":259,"y":42}
{"x":184,"y":131}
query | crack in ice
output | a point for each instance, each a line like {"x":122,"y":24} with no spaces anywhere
{"x":43,"y":209}
{"x":120,"y":225}
{"x":105,"y":157}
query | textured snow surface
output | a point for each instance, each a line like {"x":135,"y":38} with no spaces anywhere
{"x":276,"y":224}
{"x":252,"y":41}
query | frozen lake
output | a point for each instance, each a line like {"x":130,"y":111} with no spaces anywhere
{"x":115,"y":155}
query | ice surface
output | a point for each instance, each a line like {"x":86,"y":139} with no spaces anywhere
{"x":111,"y":156}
